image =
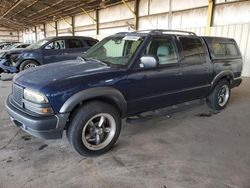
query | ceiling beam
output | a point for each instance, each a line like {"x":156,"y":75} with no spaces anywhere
{"x":14,"y":5}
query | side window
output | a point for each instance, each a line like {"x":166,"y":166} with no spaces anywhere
{"x":164,"y":49}
{"x":75,"y":43}
{"x":223,"y":49}
{"x":193,"y":50}
{"x":56,"y":45}
{"x":91,"y":42}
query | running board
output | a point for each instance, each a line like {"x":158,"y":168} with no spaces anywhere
{"x":163,"y":112}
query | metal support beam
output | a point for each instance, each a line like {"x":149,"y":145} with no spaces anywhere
{"x":56,"y":28}
{"x":44,"y":30}
{"x":71,"y":25}
{"x":134,"y":12}
{"x":85,"y":12}
{"x":51,"y":25}
{"x":210,"y":12}
{"x":136,"y":15}
{"x":35,"y":33}
{"x":96,"y":19}
{"x":18,"y":36}
{"x":12,"y":7}
{"x":97,"y":22}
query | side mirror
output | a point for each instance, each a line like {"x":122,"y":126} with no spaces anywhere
{"x":148,"y":62}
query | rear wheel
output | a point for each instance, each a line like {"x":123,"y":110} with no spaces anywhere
{"x":94,"y":128}
{"x":28,"y":64}
{"x":220,"y":96}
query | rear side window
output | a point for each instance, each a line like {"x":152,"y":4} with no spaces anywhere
{"x":223,"y":49}
{"x":193,"y":50}
{"x":75,"y":43}
{"x":91,"y":42}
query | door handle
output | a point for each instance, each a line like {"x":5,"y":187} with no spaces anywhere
{"x":226,"y":64}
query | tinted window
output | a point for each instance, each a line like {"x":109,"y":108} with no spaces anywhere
{"x":193,"y":50}
{"x":163,"y":49}
{"x":56,"y":45}
{"x":222,"y":49}
{"x":75,"y":43}
{"x":91,"y":42}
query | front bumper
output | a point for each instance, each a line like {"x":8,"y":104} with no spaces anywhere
{"x":44,"y":127}
{"x":7,"y":68}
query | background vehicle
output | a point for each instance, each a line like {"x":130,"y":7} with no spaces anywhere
{"x":122,"y":76}
{"x":6,"y":44}
{"x":49,"y":50}
{"x":15,"y":46}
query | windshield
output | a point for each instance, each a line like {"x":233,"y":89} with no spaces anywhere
{"x":116,"y":50}
{"x":38,"y":44}
{"x":11,"y":46}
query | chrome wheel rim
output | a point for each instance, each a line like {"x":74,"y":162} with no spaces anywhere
{"x":30,"y":65}
{"x":99,"y":131}
{"x":223,"y":95}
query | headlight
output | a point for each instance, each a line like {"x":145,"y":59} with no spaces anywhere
{"x":34,"y":96}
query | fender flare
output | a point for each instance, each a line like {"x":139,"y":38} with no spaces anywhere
{"x":227,"y":73}
{"x":99,"y":92}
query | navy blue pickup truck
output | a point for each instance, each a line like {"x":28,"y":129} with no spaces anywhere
{"x":122,"y":76}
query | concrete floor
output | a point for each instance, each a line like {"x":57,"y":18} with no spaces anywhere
{"x":193,"y":148}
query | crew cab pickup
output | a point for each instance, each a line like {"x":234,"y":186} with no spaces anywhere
{"x":122,"y":76}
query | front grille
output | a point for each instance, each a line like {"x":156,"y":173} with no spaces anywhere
{"x":17,"y":95}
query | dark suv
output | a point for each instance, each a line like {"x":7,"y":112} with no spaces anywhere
{"x":122,"y":76}
{"x":49,"y":50}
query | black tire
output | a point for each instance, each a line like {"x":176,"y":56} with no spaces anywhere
{"x":215,"y":99}
{"x":28,"y":64}
{"x":80,"y":124}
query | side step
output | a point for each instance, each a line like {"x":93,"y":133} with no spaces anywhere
{"x":167,"y":112}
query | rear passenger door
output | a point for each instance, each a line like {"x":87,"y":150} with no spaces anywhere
{"x":196,"y":68}
{"x":75,"y":47}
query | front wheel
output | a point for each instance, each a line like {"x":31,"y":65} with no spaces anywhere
{"x":220,"y":96}
{"x":94,"y":128}
{"x":28,"y":64}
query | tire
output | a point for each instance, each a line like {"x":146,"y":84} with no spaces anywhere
{"x":220,"y":95}
{"x":28,"y":64}
{"x":94,"y":128}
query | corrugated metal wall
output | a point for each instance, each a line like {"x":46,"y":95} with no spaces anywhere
{"x":240,"y":32}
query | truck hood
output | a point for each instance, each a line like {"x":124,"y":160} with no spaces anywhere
{"x":41,"y":76}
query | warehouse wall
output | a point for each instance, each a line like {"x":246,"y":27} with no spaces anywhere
{"x":7,"y":34}
{"x":171,"y":14}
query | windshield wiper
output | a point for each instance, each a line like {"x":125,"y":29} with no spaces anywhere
{"x":81,"y":58}
{"x":99,"y":61}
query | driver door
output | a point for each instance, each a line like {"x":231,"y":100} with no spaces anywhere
{"x":152,"y":88}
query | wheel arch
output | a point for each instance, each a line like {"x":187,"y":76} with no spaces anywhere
{"x":19,"y":64}
{"x":105,"y":94}
{"x":227,"y":74}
